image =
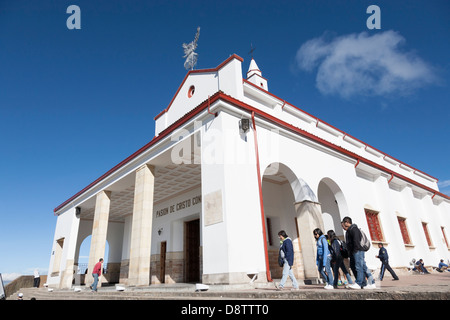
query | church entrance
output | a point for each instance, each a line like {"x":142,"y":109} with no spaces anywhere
{"x":192,"y":250}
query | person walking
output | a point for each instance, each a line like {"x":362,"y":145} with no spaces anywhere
{"x":96,"y":273}
{"x":287,"y":255}
{"x":384,"y":257}
{"x":337,"y":258}
{"x":323,"y":258}
{"x":37,"y":278}
{"x":357,"y":254}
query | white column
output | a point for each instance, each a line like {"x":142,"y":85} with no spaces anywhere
{"x":99,"y":230}
{"x":141,"y":229}
{"x":309,"y":217}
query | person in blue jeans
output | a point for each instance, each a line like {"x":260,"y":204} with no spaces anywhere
{"x":323,"y":258}
{"x":287,"y":253}
{"x":357,"y":256}
{"x":337,"y":258}
{"x":96,"y":273}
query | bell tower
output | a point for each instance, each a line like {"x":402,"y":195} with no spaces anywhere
{"x":254,"y":76}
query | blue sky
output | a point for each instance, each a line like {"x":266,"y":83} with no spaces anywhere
{"x":74,"y":103}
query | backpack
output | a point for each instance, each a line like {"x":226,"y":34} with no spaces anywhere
{"x":344,"y":250}
{"x":365,"y":242}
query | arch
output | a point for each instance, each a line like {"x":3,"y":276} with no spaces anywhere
{"x":291,"y":205}
{"x":300,"y":189}
{"x":334,"y":205}
{"x":82,"y":259}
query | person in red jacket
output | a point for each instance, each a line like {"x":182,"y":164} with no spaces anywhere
{"x":96,"y":273}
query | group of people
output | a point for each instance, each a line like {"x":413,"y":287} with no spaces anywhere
{"x":331,"y":253}
{"x":419,"y":266}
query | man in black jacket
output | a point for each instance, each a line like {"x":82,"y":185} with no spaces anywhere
{"x":356,"y":252}
{"x":384,"y":257}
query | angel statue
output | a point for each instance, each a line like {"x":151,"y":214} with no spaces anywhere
{"x":189,"y":54}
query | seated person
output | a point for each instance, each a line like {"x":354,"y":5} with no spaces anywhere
{"x":420,"y":265}
{"x":442,"y":266}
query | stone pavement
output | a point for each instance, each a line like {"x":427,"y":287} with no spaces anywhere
{"x":435,"y":286}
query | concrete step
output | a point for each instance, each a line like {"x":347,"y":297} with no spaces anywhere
{"x":250,"y":294}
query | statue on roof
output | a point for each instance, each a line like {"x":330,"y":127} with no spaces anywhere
{"x":189,"y":52}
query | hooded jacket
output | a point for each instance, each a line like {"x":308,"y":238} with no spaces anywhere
{"x":322,"y":249}
{"x":288,"y":250}
{"x":353,"y":239}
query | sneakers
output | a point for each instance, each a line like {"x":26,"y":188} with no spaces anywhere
{"x":280,"y":288}
{"x":277,"y":286}
{"x":328,"y":287}
{"x":354,"y":286}
{"x":370,"y":286}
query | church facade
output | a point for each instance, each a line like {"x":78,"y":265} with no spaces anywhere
{"x":230,"y":165}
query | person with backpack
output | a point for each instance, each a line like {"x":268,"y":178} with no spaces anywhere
{"x":357,"y":245}
{"x":338,"y":254}
{"x":323,"y":258}
{"x":286,"y":260}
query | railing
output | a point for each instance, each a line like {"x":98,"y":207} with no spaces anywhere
{"x":82,"y":268}
{"x":110,"y":272}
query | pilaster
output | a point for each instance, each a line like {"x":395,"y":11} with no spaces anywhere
{"x":99,"y":230}
{"x":141,"y":229}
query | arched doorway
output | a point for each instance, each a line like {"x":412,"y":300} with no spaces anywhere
{"x":290,"y":205}
{"x":334,"y":206}
{"x":82,"y":259}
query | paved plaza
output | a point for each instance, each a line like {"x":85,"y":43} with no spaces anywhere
{"x":435,"y":286}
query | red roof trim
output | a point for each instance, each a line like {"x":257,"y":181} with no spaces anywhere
{"x":220,"y":66}
{"x":155,"y":139}
{"x":268,"y":117}
{"x":345,"y":133}
{"x":306,"y":134}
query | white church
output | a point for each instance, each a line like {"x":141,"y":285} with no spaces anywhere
{"x":230,"y":165}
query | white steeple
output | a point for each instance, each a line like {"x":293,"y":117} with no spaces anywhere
{"x":254,"y":76}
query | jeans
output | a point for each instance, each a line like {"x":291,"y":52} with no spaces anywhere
{"x":362,"y":272}
{"x":94,"y":285}
{"x":287,"y":271}
{"x":339,"y":263}
{"x":328,"y":276}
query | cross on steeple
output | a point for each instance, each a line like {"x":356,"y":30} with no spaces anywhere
{"x":251,"y":50}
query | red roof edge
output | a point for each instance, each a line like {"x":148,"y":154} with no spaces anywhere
{"x":220,"y":66}
{"x":270,"y":118}
{"x":155,"y":139}
{"x":343,"y":132}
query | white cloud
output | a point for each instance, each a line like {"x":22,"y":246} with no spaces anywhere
{"x":444,"y":186}
{"x":10,"y":276}
{"x":363,"y":64}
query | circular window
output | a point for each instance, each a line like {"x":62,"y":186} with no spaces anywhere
{"x":191,"y":91}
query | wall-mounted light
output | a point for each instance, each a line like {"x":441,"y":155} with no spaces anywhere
{"x":160,"y":230}
{"x":244,"y":125}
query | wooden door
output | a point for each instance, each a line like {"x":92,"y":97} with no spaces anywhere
{"x":162,"y":260}
{"x":192,"y":250}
